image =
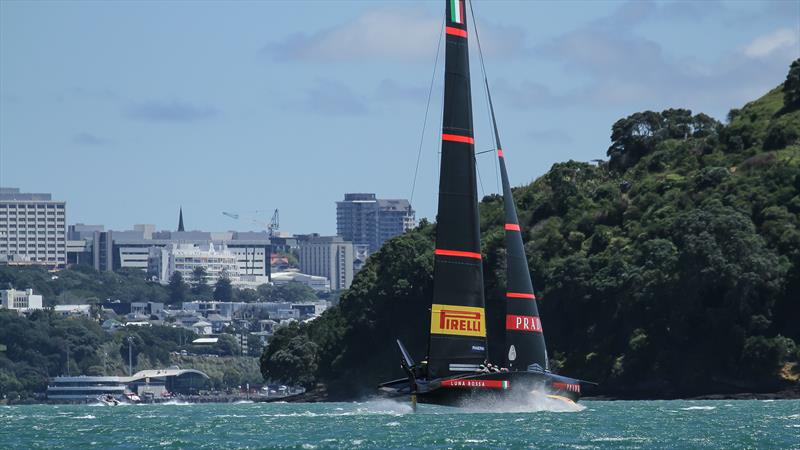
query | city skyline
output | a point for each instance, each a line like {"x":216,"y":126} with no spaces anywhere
{"x":260,"y":106}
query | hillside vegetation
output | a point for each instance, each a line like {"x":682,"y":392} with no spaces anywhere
{"x":671,"y":269}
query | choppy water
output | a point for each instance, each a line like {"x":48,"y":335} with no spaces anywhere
{"x":385,"y":424}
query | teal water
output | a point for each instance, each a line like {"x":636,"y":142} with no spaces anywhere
{"x":385,"y":424}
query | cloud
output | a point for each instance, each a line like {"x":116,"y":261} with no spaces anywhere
{"x":629,"y":72}
{"x":89,"y":140}
{"x":173,"y":111}
{"x":393,"y":34}
{"x":333,"y":98}
{"x":397,"y":34}
{"x":767,"y":44}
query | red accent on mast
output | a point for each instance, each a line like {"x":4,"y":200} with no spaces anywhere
{"x":456,"y":31}
{"x":457,"y":138}
{"x":459,"y":253}
{"x":520,"y":295}
{"x":500,"y":152}
{"x":512,"y":227}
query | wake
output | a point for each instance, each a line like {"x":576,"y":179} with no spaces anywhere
{"x":528,"y":401}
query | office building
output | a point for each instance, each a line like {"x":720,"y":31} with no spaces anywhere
{"x":185,"y":258}
{"x":22,"y":301}
{"x":113,"y":250}
{"x":330,"y":257}
{"x":363,"y":219}
{"x":80,"y":238}
{"x":33,"y":229}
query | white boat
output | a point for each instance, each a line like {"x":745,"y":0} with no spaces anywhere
{"x":108,"y":400}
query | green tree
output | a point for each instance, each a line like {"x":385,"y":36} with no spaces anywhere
{"x":223,"y":289}
{"x":200,"y":286}
{"x":178,"y":289}
{"x":294,"y":361}
{"x":289,"y":292}
{"x":791,"y":87}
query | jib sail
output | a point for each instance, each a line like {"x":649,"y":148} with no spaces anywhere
{"x":523,"y":347}
{"x":458,"y":323}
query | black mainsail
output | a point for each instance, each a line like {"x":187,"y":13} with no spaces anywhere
{"x":458,"y":324}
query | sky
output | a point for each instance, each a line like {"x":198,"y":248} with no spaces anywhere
{"x":130,"y":110}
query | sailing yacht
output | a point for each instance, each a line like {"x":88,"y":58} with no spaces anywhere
{"x":457,"y":368}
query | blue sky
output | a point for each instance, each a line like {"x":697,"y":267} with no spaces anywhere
{"x":127,"y":110}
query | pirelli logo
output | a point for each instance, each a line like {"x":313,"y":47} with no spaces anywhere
{"x":458,"y":320}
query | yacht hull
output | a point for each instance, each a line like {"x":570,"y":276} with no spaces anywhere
{"x":463,"y":390}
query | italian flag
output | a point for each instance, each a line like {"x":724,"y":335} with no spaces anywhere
{"x":457,"y":11}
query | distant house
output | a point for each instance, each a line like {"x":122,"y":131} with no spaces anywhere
{"x":74,"y":310}
{"x":202,"y":327}
{"x":217,"y":322}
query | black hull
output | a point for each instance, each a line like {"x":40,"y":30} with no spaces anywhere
{"x":482,"y":388}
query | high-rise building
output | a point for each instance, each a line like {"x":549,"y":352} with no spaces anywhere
{"x":363,"y":219}
{"x":33,"y":229}
{"x":330,"y":257}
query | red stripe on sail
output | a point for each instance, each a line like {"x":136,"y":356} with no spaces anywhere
{"x":512,"y":227}
{"x":499,"y":152}
{"x":520,"y":295}
{"x":459,"y":253}
{"x":457,"y":138}
{"x":456,"y":31}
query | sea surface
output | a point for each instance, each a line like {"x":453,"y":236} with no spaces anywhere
{"x":542,"y":423}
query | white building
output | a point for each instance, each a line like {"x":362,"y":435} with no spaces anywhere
{"x":112,"y":250}
{"x":73,"y":310}
{"x":22,"y":301}
{"x":185,"y":258}
{"x":330,"y":257}
{"x":33,"y":229}
{"x":320,"y":284}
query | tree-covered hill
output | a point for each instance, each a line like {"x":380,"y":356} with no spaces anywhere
{"x":671,"y":269}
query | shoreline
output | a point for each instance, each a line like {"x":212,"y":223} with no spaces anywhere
{"x":321,"y":395}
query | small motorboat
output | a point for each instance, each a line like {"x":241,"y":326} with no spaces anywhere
{"x":108,"y":400}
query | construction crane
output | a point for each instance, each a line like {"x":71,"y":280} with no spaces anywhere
{"x":272,"y":226}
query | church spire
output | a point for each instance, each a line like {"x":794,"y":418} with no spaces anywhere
{"x":180,"y":220}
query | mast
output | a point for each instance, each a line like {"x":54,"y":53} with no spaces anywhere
{"x":458,"y":325}
{"x":524,"y":345}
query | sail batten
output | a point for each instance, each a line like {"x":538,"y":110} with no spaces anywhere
{"x":458,"y":322}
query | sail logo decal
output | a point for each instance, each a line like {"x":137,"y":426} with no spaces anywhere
{"x":523,"y":323}
{"x":480,"y":384}
{"x":568,"y":387}
{"x":457,"y":11}
{"x":457,"y":320}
